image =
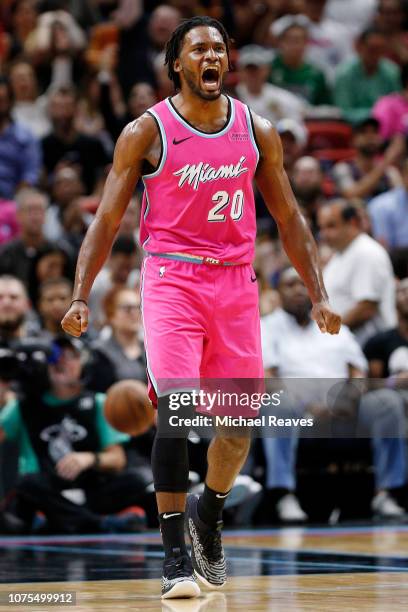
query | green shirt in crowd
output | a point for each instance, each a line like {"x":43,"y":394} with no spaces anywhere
{"x":355,"y":91}
{"x":306,"y":81}
{"x":12,"y":422}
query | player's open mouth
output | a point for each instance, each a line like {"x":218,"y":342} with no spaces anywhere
{"x":211,"y":78}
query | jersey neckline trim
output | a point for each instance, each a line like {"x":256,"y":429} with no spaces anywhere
{"x":229,"y":122}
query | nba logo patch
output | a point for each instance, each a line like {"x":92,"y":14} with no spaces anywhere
{"x":238,"y":136}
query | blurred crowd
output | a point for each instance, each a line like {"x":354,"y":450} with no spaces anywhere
{"x":332,"y":76}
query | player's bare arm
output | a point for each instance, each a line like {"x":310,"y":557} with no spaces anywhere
{"x":294,"y":232}
{"x":139,"y":144}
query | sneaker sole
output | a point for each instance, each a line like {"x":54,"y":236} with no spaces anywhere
{"x":209,"y":585}
{"x":186,"y":589}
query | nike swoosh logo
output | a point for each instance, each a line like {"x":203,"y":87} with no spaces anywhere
{"x":253,"y":279}
{"x":166,"y":516}
{"x":221,"y":496}
{"x":176,"y":142}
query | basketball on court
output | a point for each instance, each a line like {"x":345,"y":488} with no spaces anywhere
{"x":128,"y":408}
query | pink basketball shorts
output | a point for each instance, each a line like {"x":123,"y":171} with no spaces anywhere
{"x":200,"y":322}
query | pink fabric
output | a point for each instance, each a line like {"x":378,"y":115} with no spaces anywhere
{"x":200,"y":322}
{"x":392,"y":113}
{"x":9,"y":227}
{"x":201,"y":201}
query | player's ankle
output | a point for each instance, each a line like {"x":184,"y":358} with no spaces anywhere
{"x":210,"y":506}
{"x":172,"y":532}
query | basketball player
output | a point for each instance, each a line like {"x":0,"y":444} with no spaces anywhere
{"x":198,"y":152}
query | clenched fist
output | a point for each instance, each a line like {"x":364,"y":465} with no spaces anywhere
{"x":327,"y":320}
{"x":75,"y":321}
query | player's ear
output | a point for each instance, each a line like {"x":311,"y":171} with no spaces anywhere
{"x":177,"y":65}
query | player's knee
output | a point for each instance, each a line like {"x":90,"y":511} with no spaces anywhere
{"x":235,"y":446}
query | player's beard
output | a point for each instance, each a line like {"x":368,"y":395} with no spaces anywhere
{"x":196,"y":90}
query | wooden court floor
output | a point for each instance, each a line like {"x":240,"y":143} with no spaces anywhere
{"x":343,"y":569}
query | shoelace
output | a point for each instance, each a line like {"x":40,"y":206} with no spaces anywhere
{"x":212,"y":545}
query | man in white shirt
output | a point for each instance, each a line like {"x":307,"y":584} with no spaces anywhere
{"x":265,"y":99}
{"x":359,"y":277}
{"x":292,"y":347}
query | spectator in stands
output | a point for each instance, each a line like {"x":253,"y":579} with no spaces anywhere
{"x":66,"y":186}
{"x":294,"y":139}
{"x":293,"y":348}
{"x":17,"y":255}
{"x":119,"y":272}
{"x":375,"y":76}
{"x":14,"y":309}
{"x":265,"y":99}
{"x":67,"y":445}
{"x":66,"y":144}
{"x":330,"y":43}
{"x":141,"y":97}
{"x":142,"y":38}
{"x":367,"y":175}
{"x":29,"y":108}
{"x":121,"y":355}
{"x":383,"y":350}
{"x":359,"y":278}
{"x":55,"y":47}
{"x":389,"y":19}
{"x":20,"y":153}
{"x":52,"y":261}
{"x":24,"y":15}
{"x":392,"y":110}
{"x":54,"y":297}
{"x":389,"y":215}
{"x":289,"y":69}
{"x":307,"y":184}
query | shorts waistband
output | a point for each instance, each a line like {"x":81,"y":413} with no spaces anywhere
{"x":199,"y":259}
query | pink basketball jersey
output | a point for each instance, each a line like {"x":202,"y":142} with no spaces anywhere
{"x":200,"y":199}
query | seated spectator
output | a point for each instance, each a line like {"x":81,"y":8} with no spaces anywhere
{"x":20,"y":153}
{"x":54,"y":298}
{"x":359,"y":277}
{"x":307,"y":184}
{"x":330,"y":42}
{"x":15,"y":321}
{"x":66,"y":186}
{"x":383,"y":349}
{"x":290,"y":69}
{"x":66,"y":144}
{"x":89,"y":119}
{"x":23,"y":21}
{"x":293,"y":347}
{"x":52,"y":261}
{"x":389,"y":19}
{"x":29,"y":108}
{"x":265,"y":99}
{"x":68,"y":449}
{"x":392,"y":110}
{"x":368,"y":175}
{"x":389,"y":215}
{"x":294,"y":139}
{"x":120,"y":271}
{"x":121,"y":355}
{"x":17,"y":255}
{"x":375,"y":76}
